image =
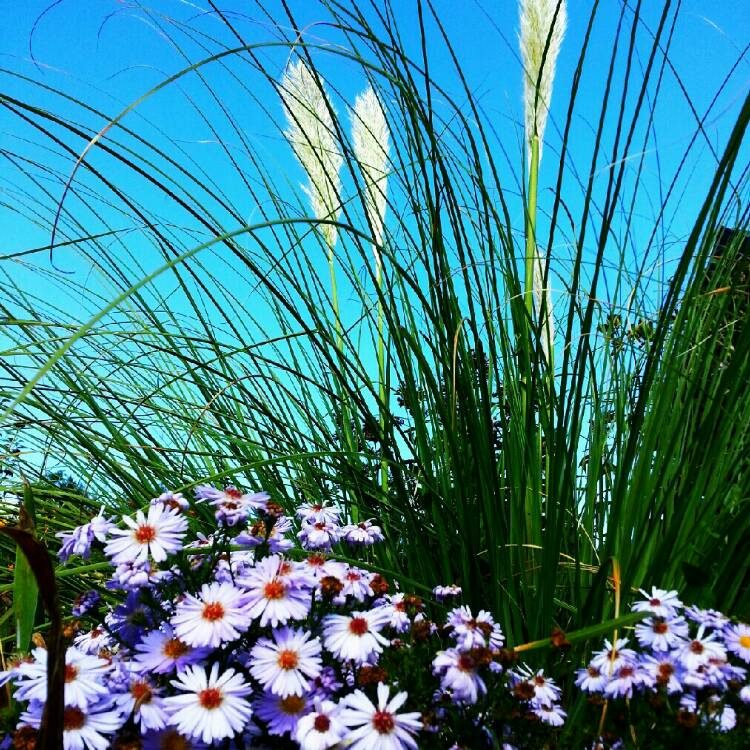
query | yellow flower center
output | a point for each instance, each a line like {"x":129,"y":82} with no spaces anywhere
{"x":745,"y":641}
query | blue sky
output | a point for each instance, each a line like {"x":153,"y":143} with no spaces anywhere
{"x":109,"y":52}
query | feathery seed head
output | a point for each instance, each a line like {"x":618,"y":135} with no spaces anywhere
{"x":541,"y":20}
{"x":370,"y":139}
{"x":312,"y":135}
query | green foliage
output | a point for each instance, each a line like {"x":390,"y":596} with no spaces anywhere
{"x":207,"y":350}
{"x":25,"y":589}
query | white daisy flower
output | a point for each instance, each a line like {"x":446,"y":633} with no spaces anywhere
{"x":399,"y":621}
{"x":356,"y":584}
{"x":474,"y":632}
{"x":312,"y":512}
{"x":357,"y":636}
{"x":664,"y":670}
{"x":90,"y":728}
{"x":319,"y":566}
{"x":276,"y":592}
{"x":661,"y":602}
{"x":591,"y":679}
{"x":282,"y":665}
{"x":625,"y":679}
{"x":92,"y":641}
{"x":660,"y":633}
{"x":217,"y":615}
{"x":550,"y":714}
{"x":84,"y":678}
{"x":442,"y":593}
{"x":711,"y":618}
{"x":459,"y":675}
{"x":159,"y":534}
{"x":320,"y":729}
{"x":364,"y":533}
{"x":318,"y":534}
{"x":545,"y":690}
{"x":232,"y":505}
{"x":699,"y":651}
{"x":379,"y":727}
{"x":611,"y":658}
{"x":174,"y":500}
{"x":211,"y":706}
{"x":737,"y":640}
{"x":144,"y":701}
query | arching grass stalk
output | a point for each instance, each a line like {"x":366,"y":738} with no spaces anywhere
{"x":370,"y":139}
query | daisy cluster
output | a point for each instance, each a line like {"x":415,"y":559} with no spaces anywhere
{"x":266,"y":634}
{"x":692,"y":660}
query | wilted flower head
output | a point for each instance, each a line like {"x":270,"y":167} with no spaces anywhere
{"x":312,"y":135}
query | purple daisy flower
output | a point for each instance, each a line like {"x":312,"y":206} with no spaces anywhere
{"x":281,"y":714}
{"x":79,"y":541}
{"x":162,"y":652}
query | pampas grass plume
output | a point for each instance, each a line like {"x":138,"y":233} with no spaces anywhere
{"x":371,"y":143}
{"x":312,"y":135}
{"x":540,"y":20}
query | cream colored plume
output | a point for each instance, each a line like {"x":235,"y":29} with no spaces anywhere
{"x":370,"y":139}
{"x":543,"y":25}
{"x":312,"y":135}
{"x":537,"y":18}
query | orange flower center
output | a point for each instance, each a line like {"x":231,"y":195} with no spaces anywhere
{"x":235,"y":494}
{"x":71,"y":672}
{"x":465,"y":663}
{"x":73,"y":718}
{"x":174,"y":648}
{"x":292,"y":704}
{"x":288,"y":659}
{"x":145,"y":534}
{"x":745,"y":641}
{"x":383,"y":722}
{"x":142,"y":692}
{"x":210,"y":698}
{"x":358,"y":625}
{"x":274,"y":590}
{"x":171,"y":740}
{"x":213,"y":611}
{"x":660,"y":627}
{"x":665,"y":671}
{"x":696,"y":647}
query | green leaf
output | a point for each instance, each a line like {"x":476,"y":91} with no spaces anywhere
{"x":25,"y":589}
